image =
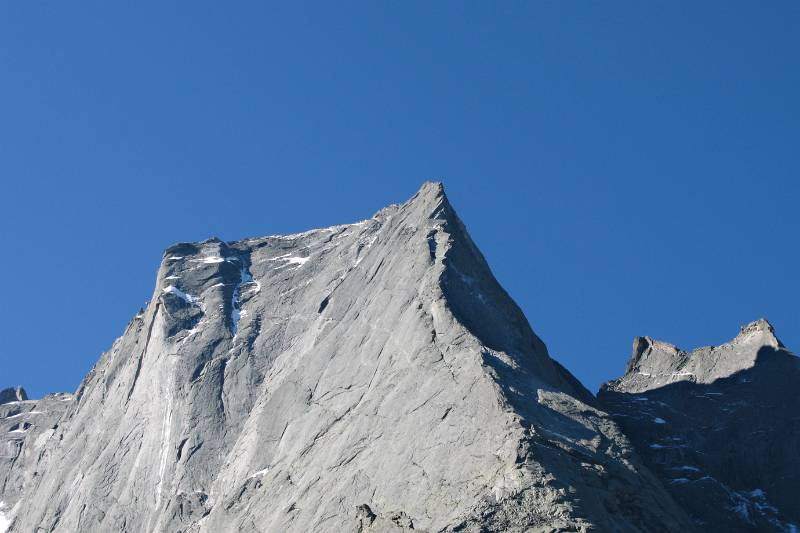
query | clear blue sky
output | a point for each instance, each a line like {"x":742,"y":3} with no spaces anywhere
{"x":628,"y":168}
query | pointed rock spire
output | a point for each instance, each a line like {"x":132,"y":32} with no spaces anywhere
{"x":14,"y":394}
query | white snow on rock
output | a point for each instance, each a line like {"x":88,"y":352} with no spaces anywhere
{"x":23,"y":414}
{"x":289,"y":259}
{"x":297,"y":260}
{"x":259,"y":473}
{"x":237,"y":313}
{"x":6,"y":517}
{"x":214,"y":259}
{"x":188,"y":298}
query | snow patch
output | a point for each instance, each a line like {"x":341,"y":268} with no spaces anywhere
{"x":289,"y":259}
{"x":6,"y":517}
{"x":188,"y":298}
{"x":236,"y":300}
{"x":214,"y":259}
{"x":258,"y":474}
{"x":5,"y":522}
{"x":297,"y":260}
{"x":23,"y":414}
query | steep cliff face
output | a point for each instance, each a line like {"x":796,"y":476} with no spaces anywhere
{"x":26,"y":426}
{"x":719,"y":425}
{"x":365,"y":377}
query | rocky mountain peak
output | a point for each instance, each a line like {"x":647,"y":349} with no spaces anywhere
{"x":656,"y":363}
{"x":719,"y":426}
{"x":759,"y":331}
{"x":430,"y":189}
{"x":361,"y":377}
{"x":13,"y":394}
{"x":643,"y":347}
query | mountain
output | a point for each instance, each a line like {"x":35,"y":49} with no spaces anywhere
{"x":367,"y":377}
{"x":26,"y":427}
{"x":720,"y":426}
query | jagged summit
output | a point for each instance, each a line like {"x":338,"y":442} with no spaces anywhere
{"x":430,"y":193}
{"x":719,"y":426}
{"x":371,"y":376}
{"x":14,"y":394}
{"x":656,"y":363}
{"x":761,"y":331}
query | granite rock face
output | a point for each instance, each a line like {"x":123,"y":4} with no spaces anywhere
{"x":26,"y":426}
{"x":367,"y":377}
{"x":720,"y":426}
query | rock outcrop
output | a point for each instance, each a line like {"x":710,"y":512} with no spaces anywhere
{"x":16,"y":394}
{"x":719,"y":425}
{"x":366,"y":377}
{"x":26,"y":426}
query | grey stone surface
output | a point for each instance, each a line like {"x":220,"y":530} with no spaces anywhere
{"x":365,"y":377}
{"x":719,"y":425}
{"x":26,"y":427}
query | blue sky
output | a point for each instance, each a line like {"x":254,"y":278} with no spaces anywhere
{"x":627,"y":168}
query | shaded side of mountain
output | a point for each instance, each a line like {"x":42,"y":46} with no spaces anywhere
{"x":720,"y":426}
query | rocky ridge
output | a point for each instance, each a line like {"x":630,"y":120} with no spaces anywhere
{"x":25,"y":428}
{"x":366,"y":377}
{"x":719,"y":426}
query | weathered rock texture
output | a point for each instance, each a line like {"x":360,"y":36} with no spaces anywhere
{"x":365,"y":377}
{"x":720,"y":426}
{"x":26,"y":426}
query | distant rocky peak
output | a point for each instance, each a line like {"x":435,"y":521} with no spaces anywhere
{"x":759,"y":331}
{"x":15,"y":394}
{"x":644,"y":347}
{"x":429,"y":189}
{"x":718,"y":426}
{"x":656,"y":364}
